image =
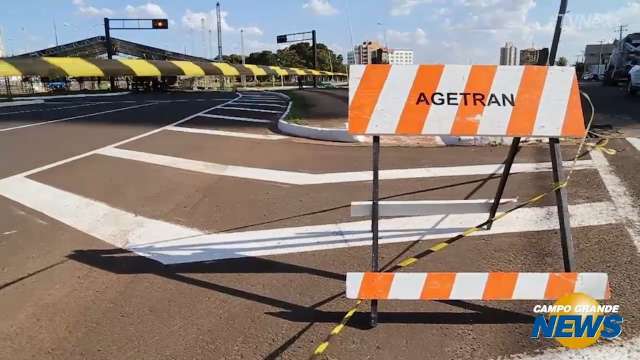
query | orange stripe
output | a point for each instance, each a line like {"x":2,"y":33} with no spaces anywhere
{"x":523,"y":117}
{"x":438,"y":286}
{"x":559,"y":285}
{"x":413,"y":116}
{"x":574,"y":118}
{"x":375,"y":286}
{"x":500,"y":286}
{"x":468,"y":117}
{"x":366,"y":97}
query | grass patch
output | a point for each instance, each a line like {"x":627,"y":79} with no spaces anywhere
{"x":299,"y":107}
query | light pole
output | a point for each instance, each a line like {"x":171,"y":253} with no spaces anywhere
{"x":242,"y":77}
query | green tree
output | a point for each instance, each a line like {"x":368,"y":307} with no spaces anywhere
{"x":562,"y":61}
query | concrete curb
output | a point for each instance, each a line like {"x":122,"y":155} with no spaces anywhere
{"x":20,"y":102}
{"x":310,"y":132}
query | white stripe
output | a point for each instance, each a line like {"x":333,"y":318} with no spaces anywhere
{"x":407,"y":286}
{"x":495,"y":119}
{"x":76,"y":117}
{"x":530,"y":286}
{"x":266,"y":98}
{"x":635,"y":142}
{"x":592,"y":284}
{"x":171,"y":244}
{"x":247,"y":109}
{"x":469,"y":286}
{"x":355,"y":75}
{"x":619,"y":193}
{"x":424,"y":207}
{"x":300,"y":178}
{"x":109,"y":224}
{"x":353,"y":283}
{"x":236,"y":118}
{"x":125,"y":141}
{"x":226,"y":133}
{"x":256,"y":104}
{"x":257,"y":100}
{"x":554,"y":101}
{"x":441,"y":117}
{"x":394,"y":94}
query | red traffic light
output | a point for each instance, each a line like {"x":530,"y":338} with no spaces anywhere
{"x":160,"y":23}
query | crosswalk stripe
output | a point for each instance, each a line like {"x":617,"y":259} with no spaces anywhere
{"x":235,"y":118}
{"x":247,"y":109}
{"x":226,"y":133}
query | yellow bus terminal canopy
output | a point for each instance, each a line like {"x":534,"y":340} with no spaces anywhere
{"x":87,"y":67}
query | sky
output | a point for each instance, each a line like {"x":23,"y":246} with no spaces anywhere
{"x":439,"y":31}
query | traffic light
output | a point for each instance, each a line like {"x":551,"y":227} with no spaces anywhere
{"x":281,"y":39}
{"x":159,"y":24}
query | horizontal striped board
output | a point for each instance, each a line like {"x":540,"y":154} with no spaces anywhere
{"x":53,"y":67}
{"x":474,"y":286}
{"x":465,"y":100}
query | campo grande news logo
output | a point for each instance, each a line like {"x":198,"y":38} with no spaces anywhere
{"x":577,"y":321}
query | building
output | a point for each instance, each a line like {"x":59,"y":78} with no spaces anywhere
{"x":379,"y":56}
{"x":596,"y":57}
{"x":534,"y":56}
{"x":509,"y":54}
{"x":401,"y":57}
{"x":351,"y":58}
{"x":362,"y":52}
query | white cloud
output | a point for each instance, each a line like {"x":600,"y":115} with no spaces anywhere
{"x":193,"y":20}
{"x":405,"y":7}
{"x":148,"y":10}
{"x":320,"y":7}
{"x":407,"y":38}
{"x":87,"y":10}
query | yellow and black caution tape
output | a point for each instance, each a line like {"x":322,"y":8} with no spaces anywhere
{"x":410,"y":261}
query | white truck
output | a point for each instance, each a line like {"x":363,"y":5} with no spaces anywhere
{"x":623,"y":57}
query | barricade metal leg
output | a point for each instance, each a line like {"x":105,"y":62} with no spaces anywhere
{"x":374,"y":221}
{"x":513,"y":151}
{"x":563,"y":206}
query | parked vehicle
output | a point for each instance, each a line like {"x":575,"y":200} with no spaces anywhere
{"x":620,"y":63}
{"x":633,"y":85}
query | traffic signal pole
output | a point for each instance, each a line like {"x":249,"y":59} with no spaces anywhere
{"x":314,"y":46}
{"x":107,"y":35}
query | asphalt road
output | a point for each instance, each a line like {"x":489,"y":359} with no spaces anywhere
{"x":185,"y":227}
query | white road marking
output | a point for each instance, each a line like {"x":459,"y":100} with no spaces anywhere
{"x":302,"y":178}
{"x":635,"y":142}
{"x":247,"y":109}
{"x":258,"y":104}
{"x":257,"y":100}
{"x":617,"y":349}
{"x":620,"y":196}
{"x":75,"y":117}
{"x":425,"y":207}
{"x":226,"y":133}
{"x":170,"y":244}
{"x":77,"y":157}
{"x":236,"y":118}
{"x":52,"y":109}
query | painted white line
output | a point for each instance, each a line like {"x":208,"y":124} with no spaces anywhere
{"x":257,"y":100}
{"x":117,"y":227}
{"x":53,"y":109}
{"x":425,"y":207}
{"x":301,"y":178}
{"x":620,"y":196}
{"x":76,"y":96}
{"x":247,"y":109}
{"x":635,"y":142}
{"x":226,"y":133}
{"x":20,"y":103}
{"x":75,"y":117}
{"x":236,"y":118}
{"x":258,"y":104}
{"x":77,"y":157}
{"x":617,"y":349}
{"x":169,"y":243}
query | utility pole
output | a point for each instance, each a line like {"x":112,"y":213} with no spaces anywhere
{"x":55,"y":31}
{"x":621,"y":29}
{"x":204,"y":40}
{"x":219,"y":18}
{"x":242,"y":77}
